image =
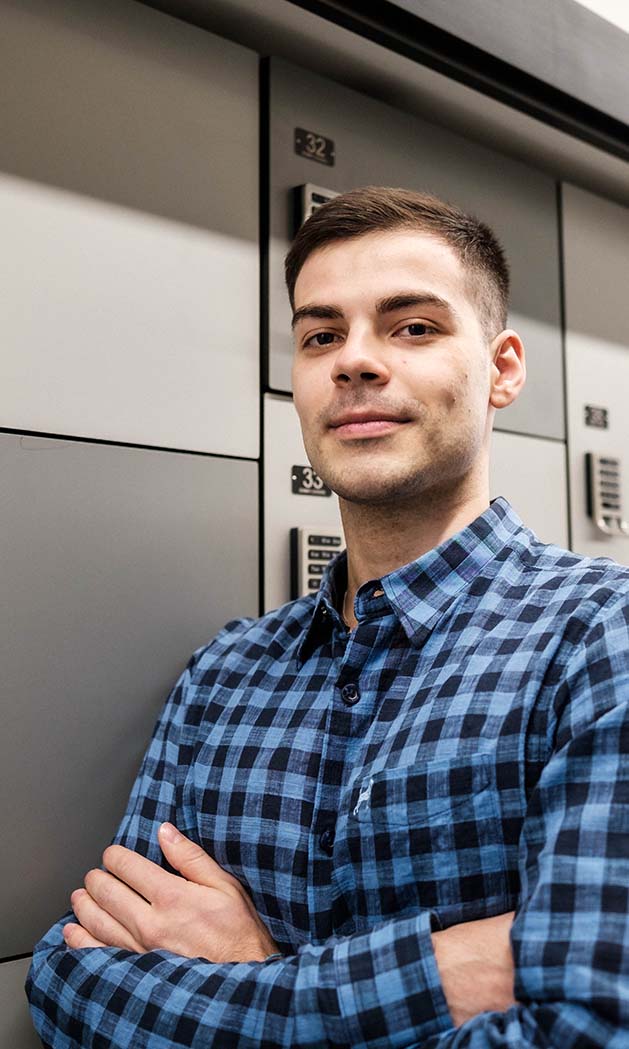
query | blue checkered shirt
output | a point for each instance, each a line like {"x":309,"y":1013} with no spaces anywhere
{"x":461,"y":753}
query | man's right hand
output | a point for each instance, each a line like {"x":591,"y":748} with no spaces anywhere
{"x":476,"y":966}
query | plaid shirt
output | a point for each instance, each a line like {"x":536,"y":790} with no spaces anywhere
{"x":461,"y":753}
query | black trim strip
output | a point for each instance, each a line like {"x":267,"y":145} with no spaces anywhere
{"x":564,"y":356}
{"x":123,"y":444}
{"x":15,"y":958}
{"x":406,"y":34}
{"x":264,"y":220}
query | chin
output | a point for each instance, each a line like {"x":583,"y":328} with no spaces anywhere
{"x":377,"y":491}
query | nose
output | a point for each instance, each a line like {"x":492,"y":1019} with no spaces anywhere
{"x":360,"y":360}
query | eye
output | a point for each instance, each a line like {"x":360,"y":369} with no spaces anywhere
{"x":416,"y":329}
{"x":321,"y":338}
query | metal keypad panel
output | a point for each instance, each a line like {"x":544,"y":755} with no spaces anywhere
{"x":311,"y":550}
{"x":605,"y":494}
{"x":309,"y":198}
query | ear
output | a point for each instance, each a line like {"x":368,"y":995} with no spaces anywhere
{"x":508,"y":370}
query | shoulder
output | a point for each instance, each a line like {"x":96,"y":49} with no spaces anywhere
{"x":554,"y":574}
{"x":248,"y":640}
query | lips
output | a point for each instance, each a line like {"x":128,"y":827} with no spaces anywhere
{"x":371,"y":424}
{"x":366,"y":417}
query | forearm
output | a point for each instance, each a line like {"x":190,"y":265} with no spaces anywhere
{"x":372,"y":990}
{"x":378,"y":990}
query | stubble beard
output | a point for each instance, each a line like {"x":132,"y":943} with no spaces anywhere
{"x":385,"y":485}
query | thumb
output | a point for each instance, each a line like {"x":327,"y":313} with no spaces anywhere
{"x":189,"y":858}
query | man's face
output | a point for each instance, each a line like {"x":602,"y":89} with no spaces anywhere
{"x":384,"y":325}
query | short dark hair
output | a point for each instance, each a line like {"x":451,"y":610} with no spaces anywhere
{"x":374,"y":209}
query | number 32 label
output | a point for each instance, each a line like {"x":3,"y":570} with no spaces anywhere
{"x":313,"y":146}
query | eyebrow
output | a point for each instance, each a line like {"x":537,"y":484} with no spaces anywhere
{"x":402,"y":301}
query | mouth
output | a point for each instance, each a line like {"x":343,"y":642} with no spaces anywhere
{"x":368,"y":428}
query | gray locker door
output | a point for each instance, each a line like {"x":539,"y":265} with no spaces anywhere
{"x":531,"y":473}
{"x":16,"y":1030}
{"x":129,"y":216}
{"x":380,"y":145}
{"x":596,"y":267}
{"x":115,"y":564}
{"x":283,"y":508}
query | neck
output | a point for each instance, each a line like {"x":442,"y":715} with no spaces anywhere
{"x":382,"y":538}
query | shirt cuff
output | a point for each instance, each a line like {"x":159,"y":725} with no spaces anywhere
{"x":388,"y":985}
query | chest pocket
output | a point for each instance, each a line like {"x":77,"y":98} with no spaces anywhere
{"x":430,"y":835}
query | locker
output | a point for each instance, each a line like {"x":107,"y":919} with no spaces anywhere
{"x":283,"y":508}
{"x":374,"y":143}
{"x":531,"y":473}
{"x":116,"y":563}
{"x":129,"y":210}
{"x":596,"y":268}
{"x":16,"y":1031}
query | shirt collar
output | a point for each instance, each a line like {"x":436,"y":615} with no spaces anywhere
{"x":419,"y":592}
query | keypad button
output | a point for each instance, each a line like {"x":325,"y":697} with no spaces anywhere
{"x":350,"y":694}
{"x":324,"y":540}
{"x":326,"y":840}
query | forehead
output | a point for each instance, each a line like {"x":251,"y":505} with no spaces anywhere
{"x":373,"y":265}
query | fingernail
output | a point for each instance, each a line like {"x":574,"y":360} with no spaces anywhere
{"x":170,"y":833}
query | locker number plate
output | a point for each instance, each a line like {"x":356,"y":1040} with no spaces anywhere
{"x":313,"y":146}
{"x":306,"y":482}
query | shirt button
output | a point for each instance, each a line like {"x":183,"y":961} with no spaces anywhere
{"x":326,"y":840}
{"x":350,"y":694}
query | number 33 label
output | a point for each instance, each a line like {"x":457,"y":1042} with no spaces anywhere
{"x":313,"y":146}
{"x":306,"y":482}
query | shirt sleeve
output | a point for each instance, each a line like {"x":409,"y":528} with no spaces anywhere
{"x":381,"y":990}
{"x":570,"y":937}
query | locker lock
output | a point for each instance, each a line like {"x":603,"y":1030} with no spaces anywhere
{"x":307,"y":199}
{"x":604,"y":494}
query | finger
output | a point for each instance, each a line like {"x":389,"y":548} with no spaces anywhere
{"x":146,"y":878}
{"x":119,"y":901}
{"x":75,"y":936}
{"x":99,"y":924}
{"x":191,"y":860}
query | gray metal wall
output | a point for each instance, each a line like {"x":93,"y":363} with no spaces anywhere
{"x":130,"y":397}
{"x":596,"y":251}
{"x":129,"y":400}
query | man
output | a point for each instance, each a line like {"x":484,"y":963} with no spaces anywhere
{"x":370,"y":781}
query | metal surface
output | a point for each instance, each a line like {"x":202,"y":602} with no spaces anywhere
{"x":283,"y":509}
{"x":115,"y":564}
{"x":542,"y":59}
{"x":376,"y":144}
{"x":605,"y":494}
{"x":129,"y":200}
{"x":560,"y":44}
{"x":596,"y":275}
{"x":531,"y":473}
{"x":16,"y":1029}
{"x":279,"y":27}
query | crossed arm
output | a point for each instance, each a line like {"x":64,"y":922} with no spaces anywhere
{"x":137,"y":905}
{"x":167,"y":981}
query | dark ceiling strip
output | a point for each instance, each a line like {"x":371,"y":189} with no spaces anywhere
{"x":408,"y":35}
